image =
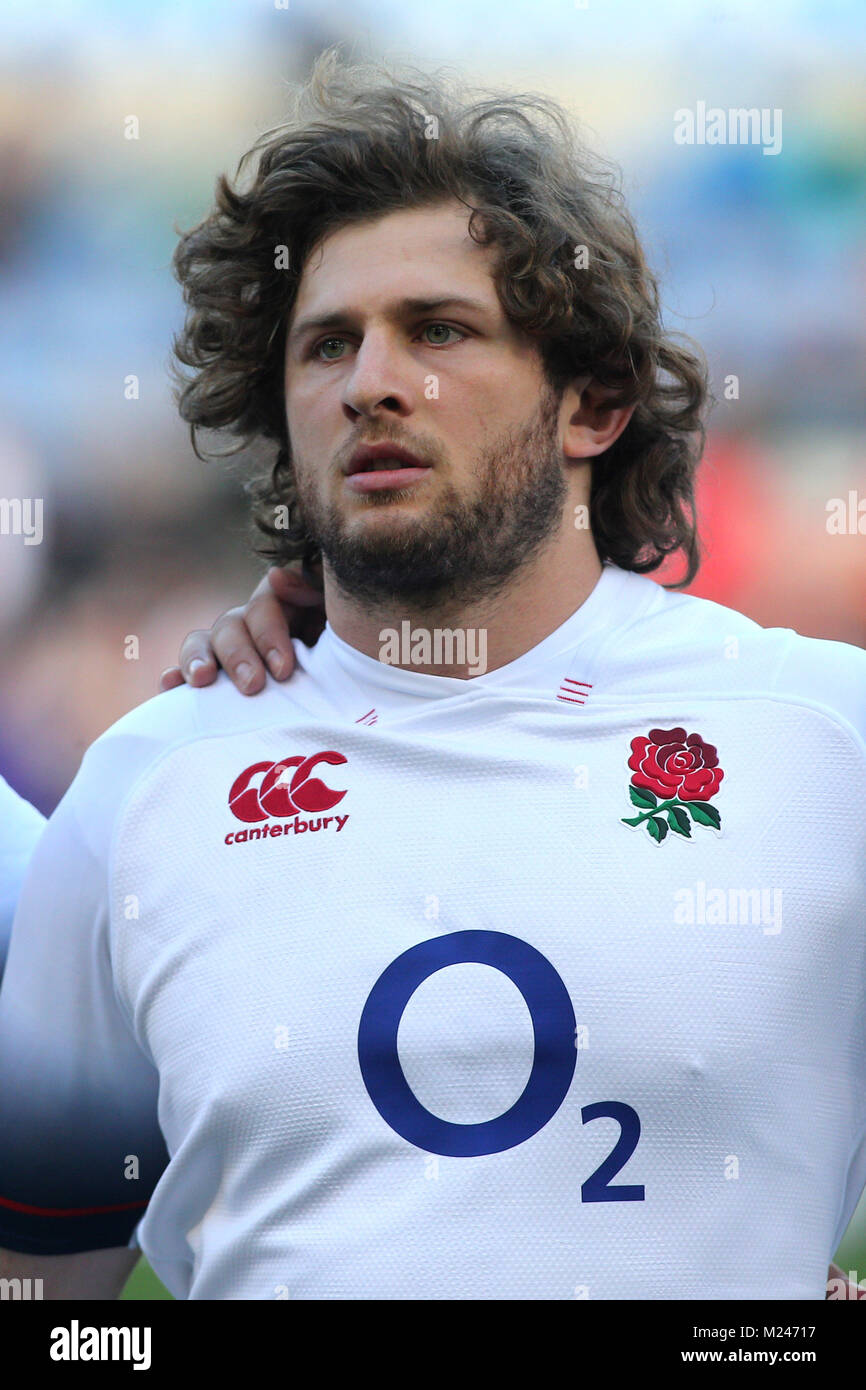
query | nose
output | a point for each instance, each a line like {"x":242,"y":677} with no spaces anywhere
{"x":380,"y":382}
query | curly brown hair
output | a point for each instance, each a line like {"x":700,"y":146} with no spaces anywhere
{"x":364,"y":140}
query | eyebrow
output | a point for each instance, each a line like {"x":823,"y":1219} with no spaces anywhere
{"x":401,"y":309}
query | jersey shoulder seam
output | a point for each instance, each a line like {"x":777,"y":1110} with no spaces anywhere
{"x":774,"y":696}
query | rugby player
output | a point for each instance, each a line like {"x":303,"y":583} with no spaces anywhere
{"x":406,"y":981}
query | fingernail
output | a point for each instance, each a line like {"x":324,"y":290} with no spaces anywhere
{"x":276,"y":662}
{"x":244,"y":672}
{"x":196,"y":664}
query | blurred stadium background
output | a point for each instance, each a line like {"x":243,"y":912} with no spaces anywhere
{"x":761,"y":257}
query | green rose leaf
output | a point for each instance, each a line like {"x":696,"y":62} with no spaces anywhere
{"x":705,"y":814}
{"x":657,"y":828}
{"x":679,"y":821}
{"x":642,"y":797}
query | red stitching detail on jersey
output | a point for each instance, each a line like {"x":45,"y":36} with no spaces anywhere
{"x":67,"y":1211}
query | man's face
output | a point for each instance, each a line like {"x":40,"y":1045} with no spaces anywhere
{"x":456,"y":384}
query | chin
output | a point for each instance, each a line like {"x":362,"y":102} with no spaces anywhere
{"x":395,"y":510}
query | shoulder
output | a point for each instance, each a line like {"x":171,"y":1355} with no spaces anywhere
{"x":692,"y":644}
{"x":19,"y":821}
{"x":187,"y":713}
{"x":829,"y":675}
{"x":688,"y":621}
{"x":117,"y":762}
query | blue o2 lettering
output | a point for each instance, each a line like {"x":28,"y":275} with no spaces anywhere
{"x":553,"y":1063}
{"x":597,"y":1186}
{"x":552,"y":1020}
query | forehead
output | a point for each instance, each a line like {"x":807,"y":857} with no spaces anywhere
{"x":428,"y":249}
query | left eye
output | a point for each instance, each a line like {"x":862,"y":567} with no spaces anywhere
{"x":447,"y":327}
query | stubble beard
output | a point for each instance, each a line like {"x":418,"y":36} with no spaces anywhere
{"x":469,"y":548}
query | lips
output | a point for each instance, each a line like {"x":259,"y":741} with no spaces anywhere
{"x":373,"y":457}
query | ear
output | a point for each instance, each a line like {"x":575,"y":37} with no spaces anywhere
{"x":589,"y":423}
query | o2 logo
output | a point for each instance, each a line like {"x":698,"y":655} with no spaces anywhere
{"x":553,"y":1064}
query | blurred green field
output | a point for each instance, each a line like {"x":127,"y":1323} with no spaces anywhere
{"x":143,"y":1283}
{"x":852,"y":1252}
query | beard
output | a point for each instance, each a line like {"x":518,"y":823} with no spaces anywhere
{"x":469,"y":548}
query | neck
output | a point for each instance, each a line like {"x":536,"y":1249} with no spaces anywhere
{"x":496,"y":629}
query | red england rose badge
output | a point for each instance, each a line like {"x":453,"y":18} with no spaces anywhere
{"x":674,"y":777}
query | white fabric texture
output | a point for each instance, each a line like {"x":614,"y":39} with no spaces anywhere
{"x":203,"y":1029}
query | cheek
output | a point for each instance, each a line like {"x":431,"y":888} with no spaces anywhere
{"x":491,"y":403}
{"x":305,"y":415}
{"x":469,"y":419}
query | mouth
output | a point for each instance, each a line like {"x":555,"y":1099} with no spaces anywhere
{"x":376,"y":467}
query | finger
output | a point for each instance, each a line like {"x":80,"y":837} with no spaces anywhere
{"x":197,"y":664}
{"x":268,"y":623}
{"x":232,"y":646}
{"x":171,"y":677}
{"x":290,"y":586}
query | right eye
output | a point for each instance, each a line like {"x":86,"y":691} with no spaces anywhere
{"x":323,"y":343}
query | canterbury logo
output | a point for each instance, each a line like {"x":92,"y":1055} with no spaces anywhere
{"x":283,"y":790}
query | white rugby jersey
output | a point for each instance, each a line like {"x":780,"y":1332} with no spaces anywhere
{"x":20,"y":827}
{"x":546,"y":984}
